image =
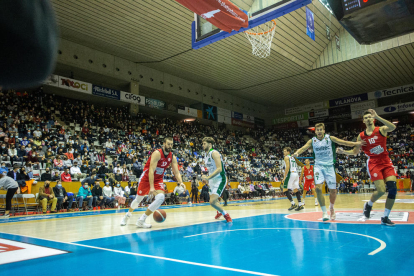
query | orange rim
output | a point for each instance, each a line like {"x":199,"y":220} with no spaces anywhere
{"x":262,"y":33}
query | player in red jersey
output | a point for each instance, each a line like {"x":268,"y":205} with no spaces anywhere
{"x":151,"y":182}
{"x":379,"y":164}
{"x":307,"y":173}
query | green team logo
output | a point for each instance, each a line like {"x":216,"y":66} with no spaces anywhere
{"x":317,"y":175}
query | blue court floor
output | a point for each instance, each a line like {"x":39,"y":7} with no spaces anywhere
{"x":258,"y":245}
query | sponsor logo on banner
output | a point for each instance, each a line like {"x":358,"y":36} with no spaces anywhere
{"x":210,"y":112}
{"x":340,"y":113}
{"x":357,"y":110}
{"x":260,"y":123}
{"x":391,"y":92}
{"x":153,"y":103}
{"x":240,"y":123}
{"x":132,"y":98}
{"x":187,"y":111}
{"x":395,"y":108}
{"x":318,"y":113}
{"x":237,"y":115}
{"x":75,"y":85}
{"x":292,"y":118}
{"x":224,"y":119}
{"x":305,"y":108}
{"x":348,"y":100}
{"x":286,"y":125}
{"x":248,"y":118}
{"x":224,"y":112}
{"x":52,"y":80}
{"x":106,"y":92}
{"x":310,"y":24}
{"x":303,"y":123}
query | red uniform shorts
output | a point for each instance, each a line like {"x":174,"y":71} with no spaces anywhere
{"x":309,"y":184}
{"x":380,"y":169}
{"x":144,"y":187}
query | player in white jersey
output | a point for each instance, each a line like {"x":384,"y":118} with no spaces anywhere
{"x":216,"y":179}
{"x":290,"y":183}
{"x":324,"y":171}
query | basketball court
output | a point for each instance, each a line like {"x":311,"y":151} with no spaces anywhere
{"x":264,"y":239}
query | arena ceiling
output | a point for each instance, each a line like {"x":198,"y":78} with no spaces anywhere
{"x":157,"y":34}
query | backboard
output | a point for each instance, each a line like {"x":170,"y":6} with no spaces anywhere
{"x":261,"y":11}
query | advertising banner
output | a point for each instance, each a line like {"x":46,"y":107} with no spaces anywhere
{"x":224,"y":119}
{"x":307,"y":107}
{"x":132,"y":98}
{"x":75,"y":85}
{"x":340,"y":113}
{"x":248,"y":118}
{"x":310,"y":24}
{"x":210,"y":112}
{"x":260,"y":123}
{"x":237,"y":115}
{"x":286,"y":125}
{"x":357,"y":110}
{"x":52,"y":80}
{"x":348,"y":100}
{"x":391,"y":92}
{"x":291,"y":118}
{"x":395,"y":108}
{"x":153,"y":103}
{"x":224,"y":112}
{"x":241,"y":123}
{"x":187,"y":111}
{"x":106,"y":92}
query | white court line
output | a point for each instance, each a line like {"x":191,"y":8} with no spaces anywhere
{"x":153,"y":257}
{"x":383,"y":244}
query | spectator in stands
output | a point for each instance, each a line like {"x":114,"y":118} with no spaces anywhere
{"x":102,"y":171}
{"x":125,"y":173}
{"x":47,"y":197}
{"x":11,"y":187}
{"x":205,"y":196}
{"x":119,"y":194}
{"x":133,"y":191}
{"x":4,"y":167}
{"x":23,"y":175}
{"x":84,"y":169}
{"x":182,"y":192}
{"x":137,"y":169}
{"x":62,"y":197}
{"x":56,"y":176}
{"x":69,"y":153}
{"x":109,"y":146}
{"x":67,"y":163}
{"x":118,"y":172}
{"x":194,"y":190}
{"x":107,"y":193}
{"x":75,"y":172}
{"x":4,"y":151}
{"x":97,"y":194}
{"x":65,"y":176}
{"x":46,"y":176}
{"x":85,"y":193}
{"x":90,"y":180}
{"x":13,"y":155}
{"x":58,"y":163}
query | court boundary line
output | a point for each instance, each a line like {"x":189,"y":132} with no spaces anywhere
{"x":143,"y":255}
{"x":383,"y":244}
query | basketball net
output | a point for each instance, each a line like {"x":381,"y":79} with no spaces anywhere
{"x":261,"y":38}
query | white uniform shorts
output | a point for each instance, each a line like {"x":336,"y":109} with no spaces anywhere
{"x":324,"y":173}
{"x":217,"y":185}
{"x":291,"y":182}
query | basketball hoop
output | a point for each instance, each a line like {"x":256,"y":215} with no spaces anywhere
{"x":261,"y":38}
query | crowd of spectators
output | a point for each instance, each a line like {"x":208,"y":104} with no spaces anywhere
{"x":52,"y":138}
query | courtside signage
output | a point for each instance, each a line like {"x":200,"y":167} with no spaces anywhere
{"x":391,"y":92}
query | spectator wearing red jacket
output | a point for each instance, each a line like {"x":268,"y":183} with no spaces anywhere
{"x":66,"y":176}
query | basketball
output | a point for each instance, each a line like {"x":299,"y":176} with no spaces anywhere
{"x":159,"y":216}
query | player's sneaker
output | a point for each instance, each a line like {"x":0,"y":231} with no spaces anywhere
{"x":367,"y":210}
{"x":142,"y":224}
{"x":228,"y":218}
{"x":333,"y":215}
{"x":325,"y":217}
{"x":300,"y":207}
{"x":387,"y":221}
{"x":316,"y":203}
{"x":125,"y":219}
{"x":218,"y":215}
{"x":293,"y":206}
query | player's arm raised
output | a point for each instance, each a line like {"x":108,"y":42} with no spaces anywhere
{"x":155,"y":157}
{"x":302,"y":149}
{"x":176,"y":171}
{"x":387,"y":127}
{"x":353,"y":151}
{"x":359,"y":143}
